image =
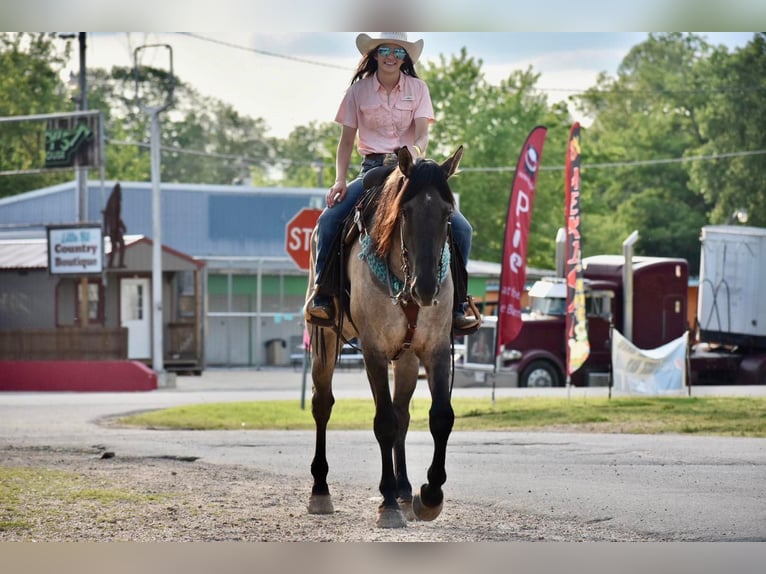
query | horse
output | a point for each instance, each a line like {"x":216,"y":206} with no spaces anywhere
{"x":408,"y":234}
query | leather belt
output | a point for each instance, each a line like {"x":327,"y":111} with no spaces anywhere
{"x":381,"y":157}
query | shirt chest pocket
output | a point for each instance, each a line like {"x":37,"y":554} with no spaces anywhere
{"x":403,"y":115}
{"x":378,"y":117}
{"x":374,"y":117}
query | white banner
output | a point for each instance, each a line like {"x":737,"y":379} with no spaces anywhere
{"x":649,"y":372}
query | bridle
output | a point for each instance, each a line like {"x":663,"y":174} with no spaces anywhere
{"x":404,"y":297}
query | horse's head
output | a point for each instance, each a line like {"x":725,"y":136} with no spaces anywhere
{"x":414,"y":213}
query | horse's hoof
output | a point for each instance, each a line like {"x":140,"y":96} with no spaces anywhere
{"x":320,"y":504}
{"x":423,"y":512}
{"x":406,"y":507}
{"x":390,"y":518}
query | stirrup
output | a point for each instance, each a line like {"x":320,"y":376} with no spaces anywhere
{"x":467,"y":325}
{"x":322,"y":316}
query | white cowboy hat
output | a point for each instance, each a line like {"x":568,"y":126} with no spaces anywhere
{"x":365,"y":43}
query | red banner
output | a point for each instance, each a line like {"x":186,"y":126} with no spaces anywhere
{"x":577,"y":345}
{"x":513,"y":271}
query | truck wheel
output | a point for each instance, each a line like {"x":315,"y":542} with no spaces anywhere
{"x":540,"y":374}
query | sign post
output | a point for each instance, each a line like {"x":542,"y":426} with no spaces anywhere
{"x":298,"y":236}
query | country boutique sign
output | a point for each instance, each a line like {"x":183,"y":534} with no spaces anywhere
{"x":75,"y":250}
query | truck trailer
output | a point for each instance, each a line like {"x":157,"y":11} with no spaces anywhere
{"x":731,"y":311}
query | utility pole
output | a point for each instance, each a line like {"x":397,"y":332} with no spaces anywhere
{"x":158,"y":348}
{"x":82,"y":178}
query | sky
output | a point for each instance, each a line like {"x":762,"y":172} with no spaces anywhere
{"x":291,"y":79}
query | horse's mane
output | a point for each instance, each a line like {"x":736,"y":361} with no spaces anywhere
{"x":398,"y":190}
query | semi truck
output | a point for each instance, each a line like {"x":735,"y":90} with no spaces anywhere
{"x":647,"y":302}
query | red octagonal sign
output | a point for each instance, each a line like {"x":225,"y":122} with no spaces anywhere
{"x":298,"y":236}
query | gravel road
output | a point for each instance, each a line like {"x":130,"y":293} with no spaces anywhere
{"x":254,"y":486}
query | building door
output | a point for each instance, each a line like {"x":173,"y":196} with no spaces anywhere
{"x":135,"y":314}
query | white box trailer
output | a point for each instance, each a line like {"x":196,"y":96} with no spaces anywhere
{"x":731,"y":307}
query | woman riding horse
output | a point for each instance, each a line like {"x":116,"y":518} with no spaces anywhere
{"x":391,"y":108}
{"x":402,"y":255}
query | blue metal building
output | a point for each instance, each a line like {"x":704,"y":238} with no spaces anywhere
{"x":254,"y":292}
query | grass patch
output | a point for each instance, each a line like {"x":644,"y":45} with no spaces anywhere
{"x":728,"y":416}
{"x":33,"y":496}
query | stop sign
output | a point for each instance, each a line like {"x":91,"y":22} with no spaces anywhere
{"x":298,"y":236}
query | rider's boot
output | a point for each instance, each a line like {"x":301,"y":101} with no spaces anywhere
{"x":319,"y":309}
{"x":463,"y":324}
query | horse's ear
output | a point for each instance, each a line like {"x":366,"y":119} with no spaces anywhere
{"x":405,"y":161}
{"x":451,"y":164}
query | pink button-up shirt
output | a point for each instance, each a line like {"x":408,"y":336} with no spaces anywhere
{"x":385,"y":122}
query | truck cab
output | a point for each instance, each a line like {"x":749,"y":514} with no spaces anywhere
{"x":537,"y":356}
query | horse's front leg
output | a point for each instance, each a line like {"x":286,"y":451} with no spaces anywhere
{"x":405,"y":381}
{"x":322,"y":400}
{"x":386,"y":427}
{"x":427,"y":504}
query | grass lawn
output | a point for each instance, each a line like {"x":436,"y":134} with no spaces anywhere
{"x":740,"y":416}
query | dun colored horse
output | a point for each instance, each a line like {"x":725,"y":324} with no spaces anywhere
{"x":401,"y":257}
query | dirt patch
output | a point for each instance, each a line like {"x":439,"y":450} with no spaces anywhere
{"x":106,"y":498}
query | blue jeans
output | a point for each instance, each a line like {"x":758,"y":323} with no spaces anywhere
{"x":331,"y":222}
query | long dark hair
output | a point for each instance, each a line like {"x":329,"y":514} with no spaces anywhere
{"x":368,"y":65}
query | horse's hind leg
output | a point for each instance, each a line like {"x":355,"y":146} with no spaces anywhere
{"x":322,"y":400}
{"x":428,"y":503}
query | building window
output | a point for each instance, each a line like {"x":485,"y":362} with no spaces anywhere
{"x":186,"y":298}
{"x":95,"y":302}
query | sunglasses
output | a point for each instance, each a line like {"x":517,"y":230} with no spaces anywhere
{"x":385,"y":52}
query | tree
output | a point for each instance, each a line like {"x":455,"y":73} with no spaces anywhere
{"x":30,"y":84}
{"x":307,"y":156}
{"x":204,"y":140}
{"x":732,"y":121}
{"x":648,"y":113}
{"x":492,"y":122}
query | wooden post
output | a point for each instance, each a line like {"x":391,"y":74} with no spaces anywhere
{"x":84,"y":315}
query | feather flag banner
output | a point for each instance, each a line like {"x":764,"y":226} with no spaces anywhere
{"x":577,"y":345}
{"x":513,"y":272}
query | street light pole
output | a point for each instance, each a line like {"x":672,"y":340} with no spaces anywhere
{"x":158,"y":347}
{"x":318,"y":166}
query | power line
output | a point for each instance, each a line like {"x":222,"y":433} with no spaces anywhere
{"x":211,"y":155}
{"x":500,"y":169}
{"x":636,"y":163}
{"x":262,"y":52}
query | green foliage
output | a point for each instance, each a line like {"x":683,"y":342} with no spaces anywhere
{"x":674,"y":97}
{"x":492,"y":122}
{"x":733,"y":118}
{"x":308,"y":155}
{"x":29,"y":84}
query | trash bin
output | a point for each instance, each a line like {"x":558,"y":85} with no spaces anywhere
{"x":276,"y":352}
